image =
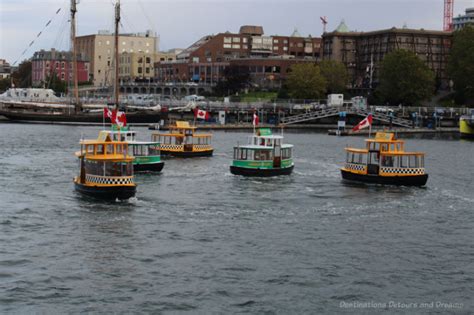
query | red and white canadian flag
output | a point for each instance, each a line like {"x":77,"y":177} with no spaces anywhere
{"x":255,"y":119}
{"x":108,"y":113}
{"x":116,"y":117}
{"x":120,"y":119}
{"x":367,"y":122}
{"x":201,"y":114}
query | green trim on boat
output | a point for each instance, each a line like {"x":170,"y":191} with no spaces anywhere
{"x":261,"y":164}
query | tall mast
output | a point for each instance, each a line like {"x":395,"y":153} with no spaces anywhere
{"x":116,"y":79}
{"x":74,"y":55}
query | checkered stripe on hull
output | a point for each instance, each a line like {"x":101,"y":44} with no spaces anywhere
{"x":106,"y":180}
{"x":402,"y":171}
{"x":355,"y":167}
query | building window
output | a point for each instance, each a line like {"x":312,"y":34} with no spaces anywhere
{"x":245,"y":46}
{"x":148,"y":60}
{"x":300,"y":45}
{"x":227,"y":39}
{"x":244,"y":40}
{"x":275,"y":47}
{"x":62,"y":76}
{"x":107,"y":42}
{"x":147,"y":44}
{"x":124,"y":43}
{"x":147,"y":70}
{"x":236,"y":46}
{"x":195,"y":59}
{"x":275,"y":41}
{"x":140,"y":70}
{"x":236,"y":39}
{"x":285,"y":48}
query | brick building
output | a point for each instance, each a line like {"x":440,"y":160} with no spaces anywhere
{"x":362,"y":52}
{"x":44,"y":63}
{"x":267,"y":57}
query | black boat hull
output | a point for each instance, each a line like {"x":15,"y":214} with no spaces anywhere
{"x":146,"y":117}
{"x":107,"y":193}
{"x":261,"y":172}
{"x":189,"y":154}
{"x":150,"y":167}
{"x":416,"y":180}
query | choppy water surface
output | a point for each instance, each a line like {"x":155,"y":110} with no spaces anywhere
{"x":199,"y":239}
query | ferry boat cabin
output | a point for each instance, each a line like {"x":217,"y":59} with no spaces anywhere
{"x":385,"y":161}
{"x":105,"y":169}
{"x":265,"y":155}
{"x":183,"y":141}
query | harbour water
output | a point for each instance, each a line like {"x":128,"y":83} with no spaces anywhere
{"x":199,"y":239}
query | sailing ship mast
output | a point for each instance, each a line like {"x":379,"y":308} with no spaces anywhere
{"x":74,"y":56}
{"x":116,"y":80}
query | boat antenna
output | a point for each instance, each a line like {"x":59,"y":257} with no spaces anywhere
{"x":116,"y":81}
{"x":74,"y":55}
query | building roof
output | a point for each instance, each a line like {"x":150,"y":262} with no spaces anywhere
{"x":54,"y":54}
{"x":253,"y":30}
{"x":390,"y":30}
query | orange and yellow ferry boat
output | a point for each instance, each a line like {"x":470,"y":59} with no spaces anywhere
{"x":183,"y":141}
{"x":384,"y":161}
{"x":105,"y":169}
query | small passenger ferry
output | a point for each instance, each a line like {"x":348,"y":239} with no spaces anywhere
{"x":105,"y":169}
{"x":183,"y":141}
{"x":147,"y":154}
{"x":265,"y":155}
{"x":384,"y":161}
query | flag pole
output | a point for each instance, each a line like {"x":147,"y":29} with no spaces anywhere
{"x":103,"y":117}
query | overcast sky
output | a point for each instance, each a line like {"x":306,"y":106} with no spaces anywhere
{"x":181,"y":22}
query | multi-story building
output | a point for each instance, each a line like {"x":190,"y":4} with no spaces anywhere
{"x":265,"y":56}
{"x":5,"y":69}
{"x":464,"y":20}
{"x":100,"y":49}
{"x":362,"y":52}
{"x":44,"y":63}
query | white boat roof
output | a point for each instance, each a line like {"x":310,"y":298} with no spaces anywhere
{"x":142,"y":142}
{"x":263,"y":147}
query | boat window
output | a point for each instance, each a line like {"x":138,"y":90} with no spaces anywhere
{"x":110,"y":149}
{"x":100,"y":149}
{"x":286,"y":153}
{"x":263,"y":155}
{"x":90,"y":148}
{"x":243,"y":154}
{"x":413,"y":161}
{"x":403,"y":161}
{"x":384,"y":147}
{"x":153,"y":149}
{"x":422,"y":161}
{"x":387,"y":161}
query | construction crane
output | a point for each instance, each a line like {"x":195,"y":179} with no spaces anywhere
{"x":448,"y":15}
{"x":324,"y":20}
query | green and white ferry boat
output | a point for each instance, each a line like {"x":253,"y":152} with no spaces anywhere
{"x":265,"y":155}
{"x":147,"y":153}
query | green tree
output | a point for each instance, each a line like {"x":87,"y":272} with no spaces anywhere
{"x":405,"y":79}
{"x":54,"y":82}
{"x":336,"y":75}
{"x":22,"y":76}
{"x":461,"y":63}
{"x":4,"y":84}
{"x":305,"y":81}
